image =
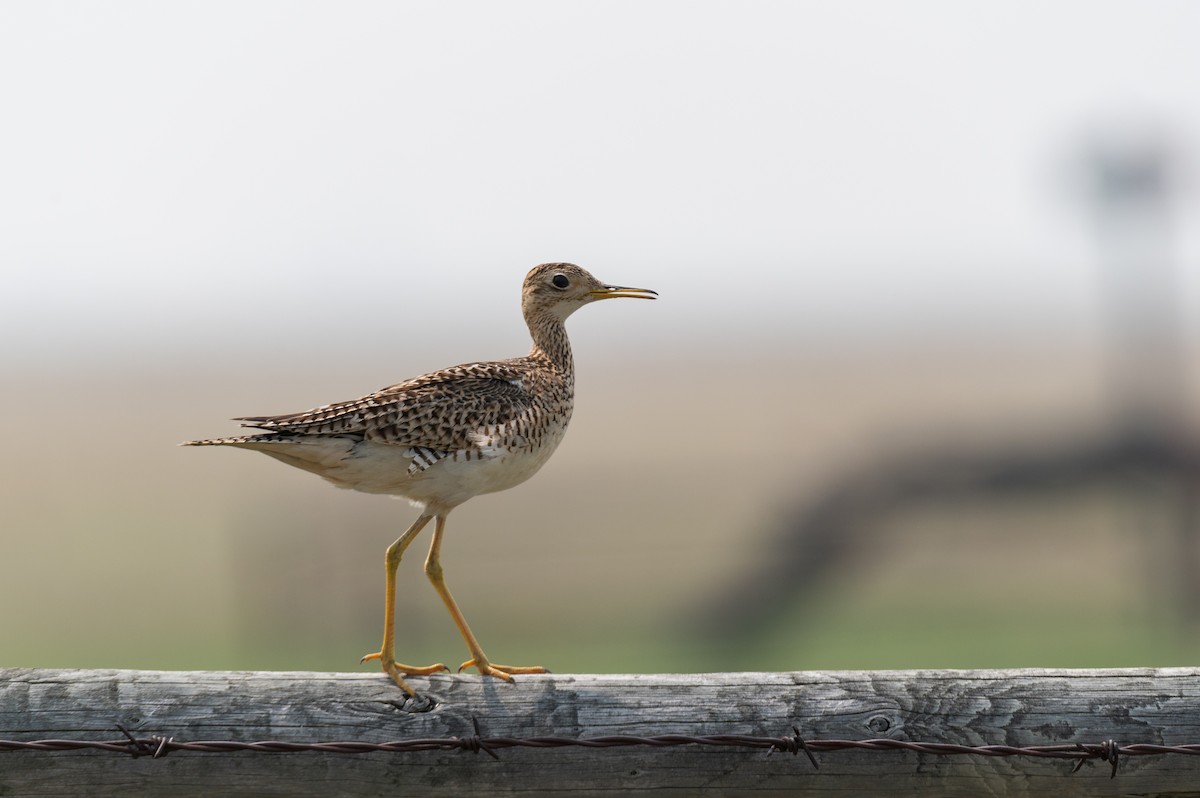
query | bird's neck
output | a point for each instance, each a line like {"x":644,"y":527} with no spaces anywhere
{"x":550,"y":342}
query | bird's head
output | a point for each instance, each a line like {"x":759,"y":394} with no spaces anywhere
{"x":562,"y":288}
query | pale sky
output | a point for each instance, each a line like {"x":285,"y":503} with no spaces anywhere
{"x":196,"y":173}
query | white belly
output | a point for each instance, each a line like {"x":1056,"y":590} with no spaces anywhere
{"x":382,"y":468}
{"x":456,"y":480}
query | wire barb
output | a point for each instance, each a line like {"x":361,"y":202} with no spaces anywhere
{"x":1110,"y":752}
{"x":475,"y":743}
{"x":154,"y":747}
{"x":794,"y":745}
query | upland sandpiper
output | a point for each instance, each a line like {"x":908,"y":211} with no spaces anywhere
{"x":441,"y":438}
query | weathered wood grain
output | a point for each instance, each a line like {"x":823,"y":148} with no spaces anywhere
{"x":1014,"y":707}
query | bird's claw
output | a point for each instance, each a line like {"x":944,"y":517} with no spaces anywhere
{"x":397,"y":670}
{"x":504,"y":672}
{"x":407,"y":670}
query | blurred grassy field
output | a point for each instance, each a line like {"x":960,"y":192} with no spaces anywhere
{"x":122,"y":550}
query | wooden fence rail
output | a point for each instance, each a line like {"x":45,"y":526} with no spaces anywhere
{"x":1020,"y":708}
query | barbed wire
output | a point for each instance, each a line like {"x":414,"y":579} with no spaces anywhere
{"x":158,"y":746}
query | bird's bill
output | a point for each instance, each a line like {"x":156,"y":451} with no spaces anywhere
{"x":614,"y":291}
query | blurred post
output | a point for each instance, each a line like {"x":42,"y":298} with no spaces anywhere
{"x":1132,"y":175}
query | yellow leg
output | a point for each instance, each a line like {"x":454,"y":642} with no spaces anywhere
{"x":433,"y":569}
{"x":387,"y":654}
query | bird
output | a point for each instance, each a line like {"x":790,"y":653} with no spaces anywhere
{"x":444,"y":437}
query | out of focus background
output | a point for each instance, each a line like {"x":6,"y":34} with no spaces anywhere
{"x":918,"y":391}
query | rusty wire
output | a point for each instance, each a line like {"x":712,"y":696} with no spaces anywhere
{"x":158,"y":746}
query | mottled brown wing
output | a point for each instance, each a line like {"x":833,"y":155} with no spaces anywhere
{"x":438,"y":411}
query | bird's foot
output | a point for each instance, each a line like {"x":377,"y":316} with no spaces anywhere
{"x":397,"y":670}
{"x":408,"y":670}
{"x":500,"y":671}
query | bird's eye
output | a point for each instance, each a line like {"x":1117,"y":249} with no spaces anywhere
{"x":560,"y":281}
